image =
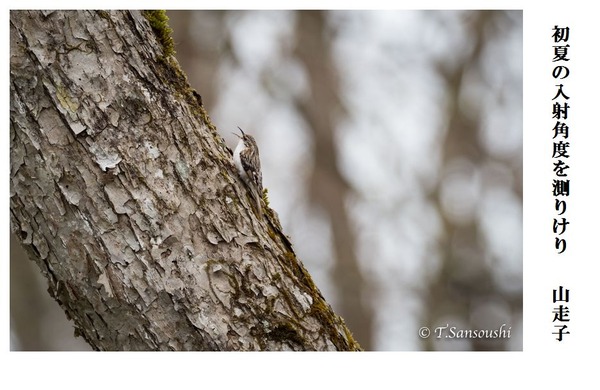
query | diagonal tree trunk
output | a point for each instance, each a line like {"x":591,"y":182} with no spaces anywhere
{"x":126,"y":197}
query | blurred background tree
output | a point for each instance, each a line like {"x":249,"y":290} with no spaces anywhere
{"x":391,"y":146}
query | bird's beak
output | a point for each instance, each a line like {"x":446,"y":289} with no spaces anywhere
{"x":242,"y":131}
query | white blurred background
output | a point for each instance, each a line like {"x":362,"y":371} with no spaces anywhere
{"x":391,"y":147}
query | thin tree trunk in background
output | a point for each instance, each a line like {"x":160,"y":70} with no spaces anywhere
{"x":456,"y":291}
{"x":328,"y":187}
{"x":201,"y":39}
{"x":126,"y":197}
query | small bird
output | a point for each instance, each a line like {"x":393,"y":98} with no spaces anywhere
{"x":247,"y":162}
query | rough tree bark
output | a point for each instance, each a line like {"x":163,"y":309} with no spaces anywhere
{"x":126,"y":197}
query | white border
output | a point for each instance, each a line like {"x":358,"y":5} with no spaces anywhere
{"x":543,"y":362}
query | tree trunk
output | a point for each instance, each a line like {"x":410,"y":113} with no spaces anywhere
{"x":126,"y":196}
{"x":328,"y":187}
